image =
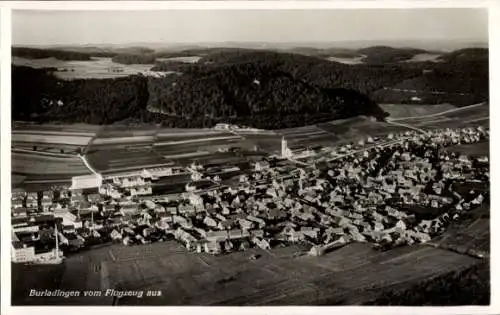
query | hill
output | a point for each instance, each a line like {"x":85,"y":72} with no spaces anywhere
{"x":247,"y":95}
{"x":460,"y":78}
{"x":251,"y":87}
{"x":385,"y":54}
{"x":254,"y":94}
{"x":466,"y":55}
{"x":36,"y":53}
{"x":39,"y":96}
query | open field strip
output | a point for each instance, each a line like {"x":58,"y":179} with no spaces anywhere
{"x":53,"y":133}
{"x":40,"y":138}
{"x":453,"y":110}
{"x":477,"y":119}
{"x":305,"y":135}
{"x":73,"y":128}
{"x":468,"y":116}
{"x":425,"y":92}
{"x":38,"y":164}
{"x":46,"y":181}
{"x":43,"y":153}
{"x":257,"y":132}
{"x":103,"y":159}
{"x":181,"y":136}
{"x":208,"y":132}
{"x":187,"y":155}
{"x":188,"y":132}
{"x":122,"y":140}
{"x":43,"y":157}
{"x":138,"y":163}
{"x":166,"y":143}
{"x":407,"y":126}
{"x":352,"y":273}
{"x":414,"y":110}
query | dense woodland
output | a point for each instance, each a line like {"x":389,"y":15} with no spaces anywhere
{"x":384,"y":54}
{"x":262,"y":89}
{"x":35,"y":53}
{"x":39,"y":96}
{"x":129,"y":59}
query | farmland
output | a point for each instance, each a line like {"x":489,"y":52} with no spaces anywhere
{"x":347,"y":60}
{"x":355,"y":274}
{"x":408,"y":110}
{"x":29,"y":163}
{"x":55,"y":140}
{"x":46,"y":155}
{"x":474,"y":149}
{"x":96,"y":68}
{"x":119,"y":159}
{"x":474,"y":115}
{"x":337,"y":132}
{"x":120,"y":147}
{"x":434,"y":57}
{"x":472,"y":236}
{"x":186,"y":59}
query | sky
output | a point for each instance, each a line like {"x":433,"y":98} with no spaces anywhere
{"x":272,"y":26}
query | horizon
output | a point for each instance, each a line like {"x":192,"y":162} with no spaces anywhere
{"x":333,"y":28}
{"x":443,"y":45}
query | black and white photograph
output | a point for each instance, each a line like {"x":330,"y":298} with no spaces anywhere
{"x":250,"y":157}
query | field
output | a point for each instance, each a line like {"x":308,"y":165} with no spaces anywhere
{"x":98,"y":68}
{"x":108,"y":160}
{"x":425,"y":57}
{"x":474,"y":115}
{"x":338,"y":132}
{"x":410,"y":110}
{"x":46,"y":138}
{"x":355,"y":274}
{"x":120,"y":147}
{"x":52,"y":140}
{"x":29,"y":163}
{"x":474,"y":149}
{"x":471,"y":236}
{"x":63,"y":128}
{"x":186,"y":59}
{"x":41,"y":159}
{"x":346,"y":60}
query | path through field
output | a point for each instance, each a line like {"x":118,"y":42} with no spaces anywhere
{"x":458,"y":109}
{"x":407,"y":126}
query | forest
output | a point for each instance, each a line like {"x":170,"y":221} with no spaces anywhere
{"x":263,"y":89}
{"x":39,"y":96}
{"x":129,"y":59}
{"x":35,"y":53}
{"x":232,"y":94}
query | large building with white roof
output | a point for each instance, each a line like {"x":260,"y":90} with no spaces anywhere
{"x":86,"y":182}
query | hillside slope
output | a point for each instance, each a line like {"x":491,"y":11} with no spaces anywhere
{"x":252,"y":96}
{"x":264,"y":89}
{"x":257,"y":95}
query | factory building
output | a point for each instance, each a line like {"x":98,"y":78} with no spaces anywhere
{"x":86,"y":182}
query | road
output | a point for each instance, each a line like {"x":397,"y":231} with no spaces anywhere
{"x":458,"y":109}
{"x":84,"y":160}
{"x":427,"y":92}
{"x":389,"y":121}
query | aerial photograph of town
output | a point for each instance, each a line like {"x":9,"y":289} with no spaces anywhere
{"x":250,"y":157}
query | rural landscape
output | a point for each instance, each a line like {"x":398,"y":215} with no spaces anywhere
{"x":250,"y":173}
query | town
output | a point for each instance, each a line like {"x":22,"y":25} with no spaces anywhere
{"x":390,"y":191}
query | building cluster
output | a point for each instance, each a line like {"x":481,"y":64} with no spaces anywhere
{"x":401,"y":191}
